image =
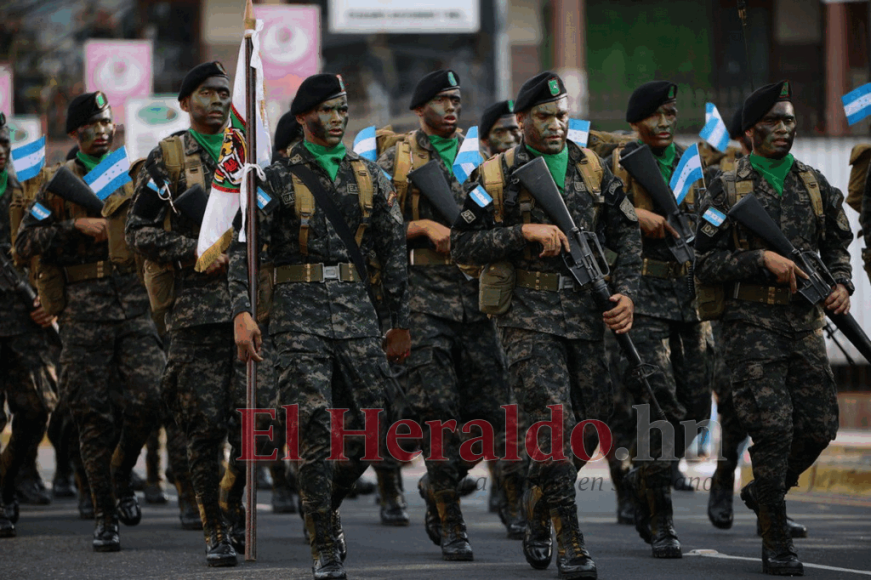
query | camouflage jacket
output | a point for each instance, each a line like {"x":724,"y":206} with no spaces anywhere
{"x":332,"y":309}
{"x":441,"y":291}
{"x":477,"y":239}
{"x":57,"y":242}
{"x":719,"y":261}
{"x":200,"y":299}
{"x":668,"y":298}
{"x":14,"y":313}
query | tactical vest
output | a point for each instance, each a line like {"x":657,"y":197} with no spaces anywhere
{"x":712,"y":297}
{"x":409,"y":156}
{"x":640,"y":198}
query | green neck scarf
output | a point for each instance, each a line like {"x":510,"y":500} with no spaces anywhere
{"x":327,"y":157}
{"x":665,"y":161}
{"x":211,"y":143}
{"x":89,"y":161}
{"x":447,"y":149}
{"x":4,"y":180}
{"x":556,"y":162}
{"x":773,"y":170}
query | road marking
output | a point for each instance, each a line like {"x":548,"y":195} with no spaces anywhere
{"x":716,"y":554}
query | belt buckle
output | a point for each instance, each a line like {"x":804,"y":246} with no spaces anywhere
{"x":331,"y":273}
{"x":565,"y":282}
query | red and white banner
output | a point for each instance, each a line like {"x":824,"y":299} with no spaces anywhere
{"x":121,"y":69}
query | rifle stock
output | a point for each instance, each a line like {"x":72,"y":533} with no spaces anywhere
{"x":431,"y":182}
{"x":68,"y":186}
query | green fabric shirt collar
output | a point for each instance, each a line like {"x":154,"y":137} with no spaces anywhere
{"x":557,"y":163}
{"x":89,"y":161}
{"x":447,"y":148}
{"x":4,"y":181}
{"x":211,"y":143}
{"x":773,"y":170}
{"x":329,"y":158}
{"x":665,"y":161}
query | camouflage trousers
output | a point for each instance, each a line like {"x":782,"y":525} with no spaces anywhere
{"x":733,"y":434}
{"x":456,"y":371}
{"x":28,"y":386}
{"x":547,"y":370}
{"x":785,"y":396}
{"x":622,"y":422}
{"x":319,"y":374}
{"x":681,"y":385}
{"x":197,"y":389}
{"x":110,"y":376}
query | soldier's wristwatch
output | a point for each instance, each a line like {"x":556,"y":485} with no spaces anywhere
{"x":847,"y":284}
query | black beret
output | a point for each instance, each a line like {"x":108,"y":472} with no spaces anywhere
{"x":760,"y":102}
{"x":83,"y":107}
{"x":647,"y":98}
{"x":542,"y":88}
{"x":432,"y":84}
{"x":71,"y":154}
{"x":315,"y":90}
{"x":735,"y":131}
{"x":198,"y":74}
{"x":286,"y":131}
{"x":492,"y":114}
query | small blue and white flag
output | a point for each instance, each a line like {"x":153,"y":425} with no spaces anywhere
{"x":468,"y":157}
{"x":579,"y":132}
{"x":29,"y":159}
{"x":365,"y":145}
{"x":857,"y":104}
{"x":714,"y":217}
{"x":480,"y":196}
{"x":715,"y":132}
{"x":39,"y":212}
{"x":688,"y":171}
{"x":110,"y":174}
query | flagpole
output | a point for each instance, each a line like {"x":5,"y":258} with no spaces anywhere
{"x":253,"y":278}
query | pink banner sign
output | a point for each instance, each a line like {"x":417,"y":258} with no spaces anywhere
{"x":121,"y":69}
{"x":290,"y":46}
{"x":6,"y":90}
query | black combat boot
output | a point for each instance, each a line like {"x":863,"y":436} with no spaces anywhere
{"x":537,"y":537}
{"x":7,"y":526}
{"x":663,"y":540}
{"x":219,"y":549}
{"x":625,"y":506}
{"x":512,"y":512}
{"x":62,"y":484}
{"x":326,"y":559}
{"x":748,"y":495}
{"x":128,"y":506}
{"x":188,"y":512}
{"x":106,"y":534}
{"x":393,"y":506}
{"x":454,"y":541}
{"x":720,"y":510}
{"x":432,"y":523}
{"x":234,"y":517}
{"x":572,"y":559}
{"x":779,"y":557}
{"x":283,"y":492}
{"x":637,"y":492}
{"x":338,"y":533}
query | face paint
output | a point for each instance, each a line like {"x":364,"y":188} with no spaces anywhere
{"x":209,"y":105}
{"x":325,"y":125}
{"x":773,"y":136}
{"x":545,"y":126}
{"x":5,"y":146}
{"x":657,"y":130}
{"x":96,"y":137}
{"x":504,"y":134}
{"x":441,"y":114}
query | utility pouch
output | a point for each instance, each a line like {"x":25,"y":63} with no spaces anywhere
{"x":711,"y":300}
{"x":51,"y":287}
{"x":496,"y":287}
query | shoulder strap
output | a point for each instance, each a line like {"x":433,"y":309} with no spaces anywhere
{"x":733,"y":195}
{"x":591,"y":171}
{"x":809,"y":178}
{"x":304,"y":205}
{"x":494,"y":181}
{"x":172,"y":149}
{"x":401,"y":167}
{"x":365,"y":193}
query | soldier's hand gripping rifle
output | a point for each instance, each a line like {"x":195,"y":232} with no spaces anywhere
{"x":11,"y":279}
{"x":749,"y":213}
{"x":583,"y":261}
{"x":639,"y":162}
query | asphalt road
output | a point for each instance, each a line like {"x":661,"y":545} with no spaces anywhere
{"x":53,"y":543}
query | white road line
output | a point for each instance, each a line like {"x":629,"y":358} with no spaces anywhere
{"x":716,"y":554}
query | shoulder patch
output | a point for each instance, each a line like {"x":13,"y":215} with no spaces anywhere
{"x":480,"y":196}
{"x":468,"y":216}
{"x":843,"y":222}
{"x":39,"y":212}
{"x":264,"y":201}
{"x":714,"y":217}
{"x":628,"y":210}
{"x":709,"y":230}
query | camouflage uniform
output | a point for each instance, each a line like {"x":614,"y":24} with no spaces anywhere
{"x":111,"y":353}
{"x":27,"y":383}
{"x":197,"y":384}
{"x":668,"y":334}
{"x":456,"y":369}
{"x":327,"y":342}
{"x":554,"y":340}
{"x":782,"y":386}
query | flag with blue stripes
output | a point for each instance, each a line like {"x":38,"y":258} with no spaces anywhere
{"x":480,"y":196}
{"x":857,"y":104}
{"x":364,"y":144}
{"x":714,"y":217}
{"x":29,"y":159}
{"x":688,"y":171}
{"x":468,"y":157}
{"x":715,"y":132}
{"x":110,"y":174}
{"x":39,"y":212}
{"x":579,"y":132}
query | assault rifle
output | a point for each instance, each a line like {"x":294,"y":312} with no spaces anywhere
{"x":585,"y":260}
{"x":11,"y":279}
{"x":68,"y":186}
{"x":431,"y":182}
{"x":749,"y":213}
